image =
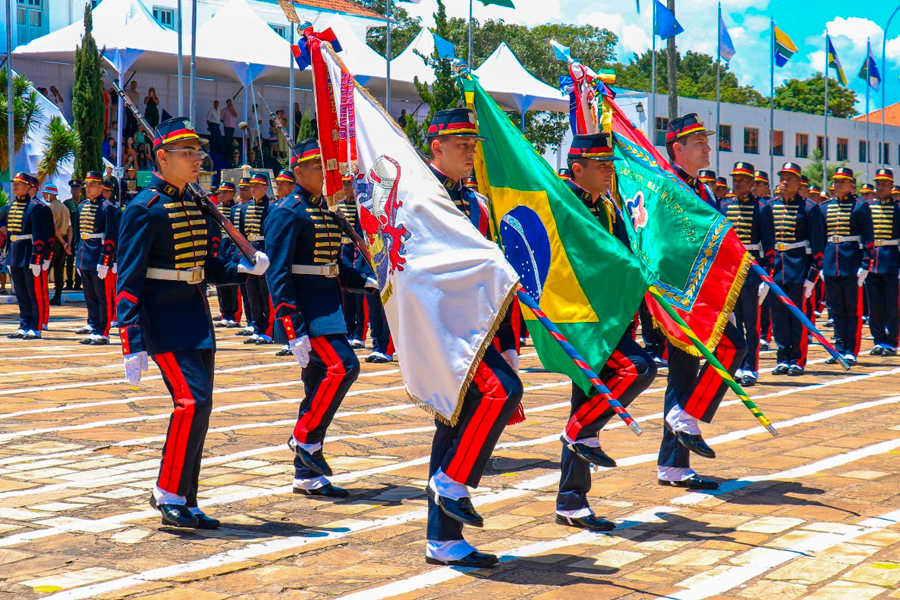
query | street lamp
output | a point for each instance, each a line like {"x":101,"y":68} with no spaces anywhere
{"x":884,"y":77}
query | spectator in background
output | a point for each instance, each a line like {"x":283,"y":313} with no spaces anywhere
{"x":143,"y":159}
{"x":228,"y":116}
{"x":214,"y":126}
{"x":253,"y":159}
{"x":281,"y":125}
{"x":56,"y":97}
{"x":298,"y":116}
{"x":270,"y":140}
{"x":236,"y":159}
{"x":151,"y":113}
{"x":401,"y":120}
{"x":108,"y":143}
{"x":129,"y":154}
{"x":105,"y":105}
{"x":135,"y":97}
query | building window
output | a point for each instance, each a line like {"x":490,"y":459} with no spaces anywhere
{"x":802,"y":145}
{"x":884,"y":153}
{"x":164,"y":16}
{"x":863,"y":154}
{"x":822,"y":146}
{"x":725,"y":138}
{"x":662,"y":124}
{"x":279,"y":29}
{"x":843,"y":149}
{"x":29,"y":20}
{"x":778,"y":143}
{"x":751,"y":140}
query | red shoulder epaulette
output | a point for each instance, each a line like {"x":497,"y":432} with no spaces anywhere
{"x":152,"y":200}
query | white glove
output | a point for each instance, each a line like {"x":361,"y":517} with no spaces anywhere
{"x":301,"y":348}
{"x":102,"y":270}
{"x":512,"y":358}
{"x":134,"y":364}
{"x":262,"y":263}
{"x":115,"y":268}
{"x":808,"y":287}
{"x":36,"y":269}
{"x":371,"y":284}
{"x":45,"y":265}
{"x":861,"y":276}
{"x":763,"y":291}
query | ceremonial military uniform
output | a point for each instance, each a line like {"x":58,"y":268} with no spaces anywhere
{"x":354,"y":304}
{"x":796,"y":261}
{"x":73,"y":278}
{"x":882,"y":283}
{"x":758,"y":236}
{"x":259,"y":304}
{"x":29,"y":229}
{"x":761,"y":180}
{"x":629,"y":371}
{"x":98,"y":221}
{"x":848,"y":254}
{"x":305,"y":280}
{"x":236,"y":216}
{"x":228,"y":295}
{"x":50,"y":246}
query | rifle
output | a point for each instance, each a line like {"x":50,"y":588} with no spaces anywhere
{"x":194,"y":190}
{"x":339,"y":216}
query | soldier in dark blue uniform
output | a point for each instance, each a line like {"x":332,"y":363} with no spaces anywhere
{"x":707,"y":177}
{"x":228,"y":295}
{"x":164,"y":259}
{"x":354,"y":304}
{"x":762,"y":190}
{"x":693,"y":394}
{"x":284,"y":187}
{"x":796,"y":262}
{"x":236,"y":216}
{"x":628,"y":372}
{"x":305,"y":280}
{"x":253,"y":226}
{"x":847,"y":258}
{"x":98,"y":221}
{"x":721,"y":188}
{"x":882,"y":283}
{"x":29,"y":228}
{"x":867,"y":193}
{"x":757,"y":233}
{"x":459,"y":454}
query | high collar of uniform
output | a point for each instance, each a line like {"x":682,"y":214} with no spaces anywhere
{"x":685,"y":176}
{"x":23,"y":199}
{"x":579,"y":191}
{"x":747,"y":198}
{"x":887,"y":200}
{"x":447,"y":182}
{"x":847,"y":198}
{"x":157,"y":181}
{"x":313,"y":199}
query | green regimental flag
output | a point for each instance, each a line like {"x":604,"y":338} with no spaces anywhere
{"x":586,"y":281}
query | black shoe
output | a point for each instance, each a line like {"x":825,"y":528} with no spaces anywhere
{"x":314,"y":461}
{"x":590,"y":522}
{"x":693,"y":442}
{"x":233,"y":324}
{"x":831,"y":360}
{"x":86,"y":341}
{"x":177,"y":515}
{"x":284,"y":352}
{"x":99,"y":342}
{"x":476,"y":559}
{"x":17,"y":335}
{"x":244,"y":332}
{"x":204,"y":522}
{"x":594,"y":456}
{"x":250,"y":340}
{"x":888,"y":352}
{"x":763,"y":346}
{"x":55,"y":301}
{"x":221,"y":323}
{"x":749,"y":379}
{"x":261,"y":341}
{"x":795,"y":371}
{"x":31,"y":336}
{"x":217,"y":318}
{"x":876,"y":351}
{"x":781,"y":369}
{"x":829,"y":323}
{"x":694,"y":482}
{"x":329,"y":490}
{"x":461,"y":510}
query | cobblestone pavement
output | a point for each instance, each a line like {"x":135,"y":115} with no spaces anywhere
{"x":810,"y":514}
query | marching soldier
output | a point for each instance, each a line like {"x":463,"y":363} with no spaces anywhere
{"x":164,"y":258}
{"x":628,"y":372}
{"x":253,"y":226}
{"x":761,"y":187}
{"x":284,"y":187}
{"x":763,"y":191}
{"x":796,"y":260}
{"x":228,"y":295}
{"x":98,"y":222}
{"x":73,"y":278}
{"x":305,"y":280}
{"x":758,"y":236}
{"x":867,"y":193}
{"x":803,"y":190}
{"x":707,"y":177}
{"x":848,"y":256}
{"x":236,"y":216}
{"x":354,"y":307}
{"x":721,"y":189}
{"x":28,"y":230}
{"x":693,"y":394}
{"x":882,"y":283}
{"x":459,"y":454}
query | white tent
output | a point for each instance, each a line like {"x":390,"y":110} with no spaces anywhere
{"x":367,"y":66}
{"x":409,"y":65}
{"x":514,"y":88}
{"x":32,"y":151}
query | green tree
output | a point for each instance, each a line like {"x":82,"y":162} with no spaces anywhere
{"x":813,"y":170}
{"x":61,"y":143}
{"x":403,"y":28}
{"x":87,"y":101}
{"x":808,"y":96}
{"x":25,"y":111}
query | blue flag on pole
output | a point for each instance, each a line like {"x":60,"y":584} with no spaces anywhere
{"x":666,"y":24}
{"x":726,"y":46}
{"x":869,"y":72}
{"x":444,"y":48}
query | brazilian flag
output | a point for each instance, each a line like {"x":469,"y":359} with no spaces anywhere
{"x":585,"y":280}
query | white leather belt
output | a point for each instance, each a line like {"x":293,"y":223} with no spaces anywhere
{"x":329,"y":270}
{"x":752,"y":247}
{"x":880,"y":243}
{"x":839,"y":239}
{"x":91,"y":236}
{"x":195,"y":275}
{"x":784,"y":247}
{"x":20,"y":238}
{"x":256,"y":238}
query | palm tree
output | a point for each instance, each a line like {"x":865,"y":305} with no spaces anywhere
{"x":25,"y":111}
{"x":60,"y":144}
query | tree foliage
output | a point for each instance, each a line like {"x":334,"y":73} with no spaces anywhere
{"x":26,"y":110}
{"x":87,"y":101}
{"x":808,"y":96}
{"x":403,"y":27}
{"x":813,"y":170}
{"x":60,"y":144}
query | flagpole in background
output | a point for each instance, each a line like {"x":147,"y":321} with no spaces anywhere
{"x":718,"y":84}
{"x":868,"y":85}
{"x":193,"y":106}
{"x":469,"y":58}
{"x":10,"y":100}
{"x":884,"y":70}
{"x":291,"y":61}
{"x":825,"y":154}
{"x":387,"y":84}
{"x":180,"y":68}
{"x":772,"y":98}
{"x":652,"y":102}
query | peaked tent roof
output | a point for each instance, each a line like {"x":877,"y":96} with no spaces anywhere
{"x":361,"y":60}
{"x":514,"y":88}
{"x":409,"y":65}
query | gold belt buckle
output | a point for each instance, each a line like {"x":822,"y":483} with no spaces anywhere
{"x":84,"y":236}
{"x":196,"y":274}
{"x":331,"y":270}
{"x":781,"y":246}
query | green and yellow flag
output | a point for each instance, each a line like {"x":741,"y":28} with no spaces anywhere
{"x":585,"y":280}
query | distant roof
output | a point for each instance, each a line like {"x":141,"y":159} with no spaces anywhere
{"x":341,"y":6}
{"x":891,"y":115}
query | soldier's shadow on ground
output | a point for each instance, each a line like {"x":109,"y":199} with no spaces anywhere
{"x":265,"y":529}
{"x":782,"y":493}
{"x":499,"y":465}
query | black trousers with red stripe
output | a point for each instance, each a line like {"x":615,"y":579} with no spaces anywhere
{"x":462,"y":451}
{"x":189,"y":376}
{"x":332,"y":369}
{"x":845,"y":307}
{"x":629,"y":371}
{"x":790,"y":335}
{"x":698,"y":391}
{"x":259,"y":307}
{"x":27,"y":288}
{"x":746,"y":315}
{"x":229,"y":307}
{"x":99,"y":295}
{"x":884,"y":319}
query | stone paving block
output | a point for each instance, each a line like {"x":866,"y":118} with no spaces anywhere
{"x":695,"y":557}
{"x":868,"y":475}
{"x":770,"y":525}
{"x":806,"y":571}
{"x":882,"y":537}
{"x":885,"y":574}
{"x":601,"y":590}
{"x":704,"y":576}
{"x":774,"y":590}
{"x":609,"y":560}
{"x":73,"y":579}
{"x":182,"y":593}
{"x":846,"y":590}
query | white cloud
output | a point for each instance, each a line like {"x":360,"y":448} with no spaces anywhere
{"x":527,"y":12}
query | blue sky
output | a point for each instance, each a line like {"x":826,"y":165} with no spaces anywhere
{"x":849,"y":24}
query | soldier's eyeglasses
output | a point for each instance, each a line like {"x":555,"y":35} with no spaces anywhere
{"x":191,"y":153}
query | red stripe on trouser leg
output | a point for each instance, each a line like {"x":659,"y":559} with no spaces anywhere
{"x":857,"y":342}
{"x":705,"y":389}
{"x":493,"y":397}
{"x":240,"y":307}
{"x":325,"y":391}
{"x":804,"y":348}
{"x":45,"y":292}
{"x":365,"y":324}
{"x":516,"y":321}
{"x":623,"y":376}
{"x":390,"y":346}
{"x":271,"y":328}
{"x":179,"y":427}
{"x":39,"y":300}
{"x":109,"y":290}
